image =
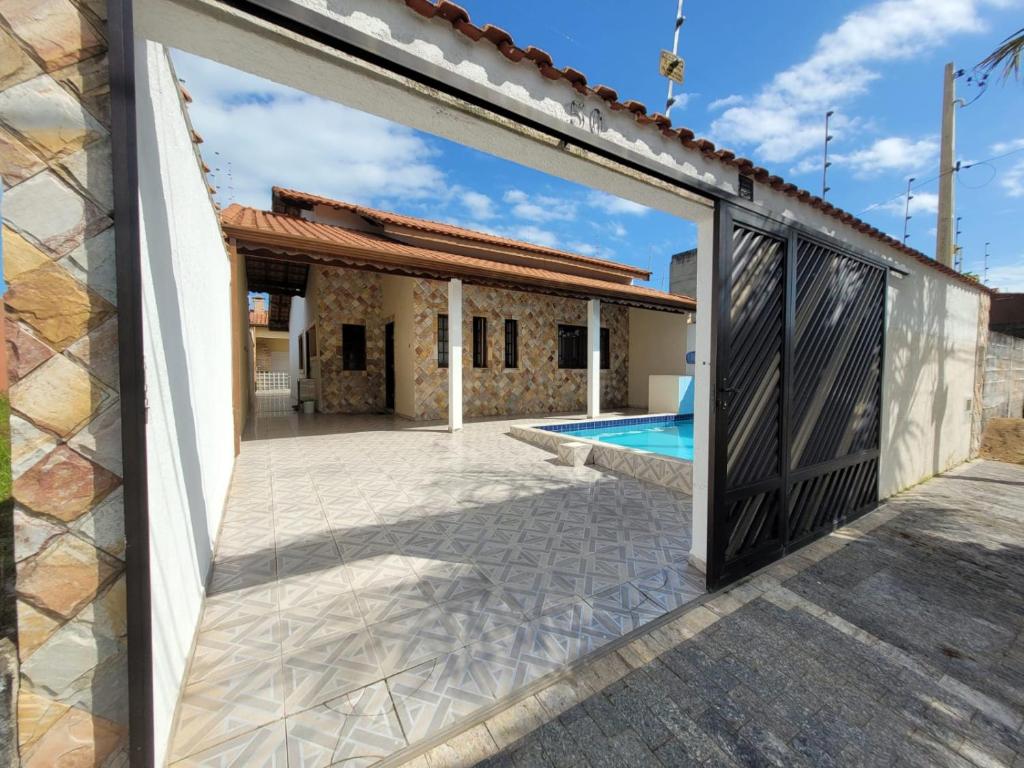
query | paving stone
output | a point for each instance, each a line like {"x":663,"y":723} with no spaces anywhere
{"x":51,"y":213}
{"x":54,"y":29}
{"x":630,"y":706}
{"x":559,"y":747}
{"x":73,"y":310}
{"x":65,"y":576}
{"x":64,"y":485}
{"x":20,"y":256}
{"x":59,"y":396}
{"x":16,"y":66}
{"x":94,"y":264}
{"x":17,"y":162}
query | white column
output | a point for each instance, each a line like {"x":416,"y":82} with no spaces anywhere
{"x":703,"y":400}
{"x":454,"y":355}
{"x":593,"y":358}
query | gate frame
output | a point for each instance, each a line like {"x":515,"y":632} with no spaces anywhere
{"x":727,"y":214}
{"x":363,"y":48}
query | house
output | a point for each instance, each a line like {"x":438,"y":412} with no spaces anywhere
{"x":372,"y":322}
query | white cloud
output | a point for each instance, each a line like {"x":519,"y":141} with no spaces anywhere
{"x":539,"y":208}
{"x":479,"y":205}
{"x":277,"y":135}
{"x":1001,"y":147}
{"x":784,"y":120}
{"x":532,"y":234}
{"x":920,"y":203}
{"x":890,"y":154}
{"x":727,"y":101}
{"x":615,"y":205}
{"x":1012,"y":180}
{"x":1009,"y":278}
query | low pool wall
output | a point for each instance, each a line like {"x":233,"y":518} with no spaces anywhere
{"x":670,"y":472}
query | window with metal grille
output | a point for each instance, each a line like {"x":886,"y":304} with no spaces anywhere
{"x":442,"y":341}
{"x":572,"y":347}
{"x":511,"y":343}
{"x":353,"y":347}
{"x":479,"y":342}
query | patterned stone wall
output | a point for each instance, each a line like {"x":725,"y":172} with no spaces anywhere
{"x":537,"y":385}
{"x":350,"y":296}
{"x":62,"y":348}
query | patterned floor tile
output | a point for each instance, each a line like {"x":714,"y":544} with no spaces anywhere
{"x":313,"y":587}
{"x":265,"y":747}
{"x":233,"y":644}
{"x":509,"y":662}
{"x":471,"y":554}
{"x":414,"y":638}
{"x":228,"y":705}
{"x":436,"y":694}
{"x":317,"y":621}
{"x":356,"y":729}
{"x":625,"y":608}
{"x":323,"y":672}
{"x":385,"y":601}
{"x":240,"y":606}
{"x":487,"y":614}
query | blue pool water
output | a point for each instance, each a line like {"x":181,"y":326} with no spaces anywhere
{"x":669,"y":436}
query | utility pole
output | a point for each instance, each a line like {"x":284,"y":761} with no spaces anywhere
{"x":958,"y":256}
{"x":984,"y":275}
{"x":906,"y":212}
{"x":944,"y":226}
{"x":825,"y":163}
{"x":671,"y":100}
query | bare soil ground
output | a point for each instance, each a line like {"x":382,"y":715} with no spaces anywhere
{"x":1004,"y":440}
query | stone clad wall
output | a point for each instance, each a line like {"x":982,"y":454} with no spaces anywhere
{"x":350,"y":296}
{"x":537,"y":386}
{"x":61,"y":324}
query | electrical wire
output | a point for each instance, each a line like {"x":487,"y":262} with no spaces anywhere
{"x":955,"y":169}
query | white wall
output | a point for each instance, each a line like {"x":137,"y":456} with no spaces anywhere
{"x":929,"y":377}
{"x":187,"y":333}
{"x":657,"y":345}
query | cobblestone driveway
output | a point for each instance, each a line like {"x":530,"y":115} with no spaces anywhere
{"x":897,"y":641}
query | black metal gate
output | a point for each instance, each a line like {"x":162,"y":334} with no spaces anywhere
{"x":796,"y":417}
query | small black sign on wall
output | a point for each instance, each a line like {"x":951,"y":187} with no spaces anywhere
{"x":747,"y":188}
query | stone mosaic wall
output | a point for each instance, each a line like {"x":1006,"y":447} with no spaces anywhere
{"x":62,"y":346}
{"x":350,"y":296}
{"x":537,"y":385}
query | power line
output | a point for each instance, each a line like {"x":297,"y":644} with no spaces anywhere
{"x":956,"y":168}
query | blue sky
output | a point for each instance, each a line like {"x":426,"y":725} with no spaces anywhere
{"x":759,"y":79}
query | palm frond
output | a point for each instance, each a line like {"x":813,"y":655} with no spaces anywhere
{"x":1008,"y":55}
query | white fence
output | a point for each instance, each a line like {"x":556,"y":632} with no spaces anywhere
{"x":272,"y":381}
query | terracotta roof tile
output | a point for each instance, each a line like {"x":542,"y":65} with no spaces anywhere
{"x":451,"y":230}
{"x":271,"y":230}
{"x":545,"y":65}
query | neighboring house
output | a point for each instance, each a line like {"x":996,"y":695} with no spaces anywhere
{"x":268,"y":329}
{"x":371,"y":323}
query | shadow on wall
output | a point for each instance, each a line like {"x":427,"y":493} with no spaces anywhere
{"x":919,"y":345}
{"x":173,"y":355}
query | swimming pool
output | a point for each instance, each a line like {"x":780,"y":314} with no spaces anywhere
{"x":667,"y":435}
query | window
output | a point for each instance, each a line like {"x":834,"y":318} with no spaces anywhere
{"x":511,"y":343}
{"x":572,"y":347}
{"x":479,"y":342}
{"x":442,"y":341}
{"x":353,"y":347}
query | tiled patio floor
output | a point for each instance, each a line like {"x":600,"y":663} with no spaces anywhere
{"x":377,"y":581}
